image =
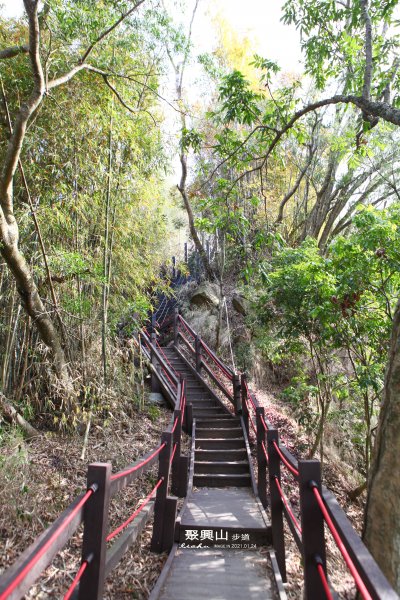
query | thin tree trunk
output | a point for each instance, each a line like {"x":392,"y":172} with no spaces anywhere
{"x":22,"y":375}
{"x":106,"y":250}
{"x":7,"y":345}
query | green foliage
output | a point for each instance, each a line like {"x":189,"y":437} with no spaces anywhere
{"x":340,"y":301}
{"x":191,"y":139}
{"x":238,"y":101}
{"x":332,"y":37}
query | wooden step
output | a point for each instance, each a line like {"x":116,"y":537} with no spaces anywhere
{"x":232,"y":455}
{"x":219,"y":480}
{"x":199,"y":411}
{"x":216,"y":411}
{"x":194,"y":385}
{"x":222,"y":433}
{"x":234,"y":466}
{"x":219,"y":444}
{"x":218,"y":422}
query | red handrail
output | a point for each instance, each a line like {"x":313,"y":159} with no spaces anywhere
{"x":286,"y":503}
{"x":324,"y":581}
{"x":285,"y":461}
{"x":174,"y":425}
{"x":141,"y":464}
{"x":216,"y":361}
{"x":265,"y":452}
{"x":76,"y":580}
{"x":357,"y":578}
{"x":186,"y":326}
{"x":23,"y":573}
{"x":166,"y":358}
{"x":249,"y":395}
{"x":173,"y":453}
{"x":137,"y":511}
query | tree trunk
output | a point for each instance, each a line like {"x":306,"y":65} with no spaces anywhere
{"x":105,"y":251}
{"x":382,"y":518}
{"x":34,"y":307}
{"x":11,"y":415}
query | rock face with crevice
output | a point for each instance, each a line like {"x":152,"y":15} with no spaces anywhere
{"x":206,"y":294}
{"x":240,"y":303}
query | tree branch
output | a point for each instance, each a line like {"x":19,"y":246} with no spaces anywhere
{"x":13,"y":51}
{"x":106,"y":32}
{"x":376,"y":109}
{"x":27,"y":109}
{"x":366,"y":93}
{"x":120,"y":99}
{"x":296,"y":185}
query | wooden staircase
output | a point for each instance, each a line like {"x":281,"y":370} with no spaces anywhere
{"x":220,"y":458}
{"x":222,"y":505}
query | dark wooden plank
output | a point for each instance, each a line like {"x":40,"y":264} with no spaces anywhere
{"x":223,"y":508}
{"x":11,"y":573}
{"x":122,"y":482}
{"x":95,"y":531}
{"x":218,"y":574}
{"x":128,"y":537}
{"x":374,"y":579}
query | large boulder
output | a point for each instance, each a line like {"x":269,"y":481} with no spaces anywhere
{"x":206,"y":294}
{"x":240,"y":303}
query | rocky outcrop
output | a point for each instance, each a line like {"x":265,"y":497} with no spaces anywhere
{"x":207,"y":294}
{"x":240,"y":303}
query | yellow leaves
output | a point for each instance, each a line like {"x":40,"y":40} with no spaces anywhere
{"x":234,"y":50}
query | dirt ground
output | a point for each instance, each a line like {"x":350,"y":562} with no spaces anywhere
{"x":40,"y":478}
{"x":336,"y":477}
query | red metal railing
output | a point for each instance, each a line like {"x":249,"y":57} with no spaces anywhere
{"x":270,"y":456}
{"x":20,"y":578}
{"x":33,"y":560}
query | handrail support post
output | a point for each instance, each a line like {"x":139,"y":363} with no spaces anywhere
{"x":155,"y":384}
{"x":274,"y":465}
{"x":245,"y":410}
{"x":176,"y":328}
{"x":197,"y":347}
{"x":312,"y":524}
{"x":95,"y":531}
{"x":164,"y":505}
{"x":237,"y":394}
{"x":261,"y":460}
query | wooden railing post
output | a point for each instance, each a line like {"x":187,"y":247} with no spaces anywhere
{"x":153,"y":323}
{"x":197,"y":347}
{"x":245,"y":410}
{"x":176,"y":327}
{"x":180,"y":464}
{"x":164,"y":506}
{"x":261,"y":460}
{"x":185,"y":251}
{"x":237,"y":396}
{"x":173,"y":267}
{"x":274,"y":469}
{"x":95,"y":531}
{"x":312,"y":524}
{"x":155,"y":384}
{"x":188,"y":419}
